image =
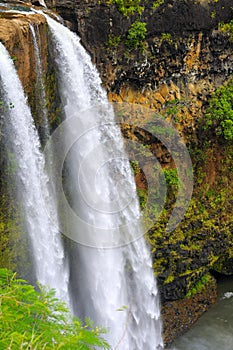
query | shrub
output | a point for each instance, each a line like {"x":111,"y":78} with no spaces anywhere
{"x":171,"y":177}
{"x":136,"y":35}
{"x":220,"y":111}
{"x":113,"y":41}
{"x":128,"y":7}
{"x":31,"y":319}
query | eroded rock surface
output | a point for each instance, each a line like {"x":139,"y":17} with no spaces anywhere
{"x":184,"y":60}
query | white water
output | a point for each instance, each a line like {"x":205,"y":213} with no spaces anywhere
{"x":101,"y":190}
{"x":40,"y":95}
{"x":32,"y":181}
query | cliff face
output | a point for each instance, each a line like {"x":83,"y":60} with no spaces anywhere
{"x":184,"y":59}
{"x":185,"y":56}
{"x":190,"y":23}
{"x":15,"y":33}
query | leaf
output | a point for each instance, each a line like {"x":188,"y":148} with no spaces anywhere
{"x":123,"y":308}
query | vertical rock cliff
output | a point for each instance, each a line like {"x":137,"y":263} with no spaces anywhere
{"x":183,"y":60}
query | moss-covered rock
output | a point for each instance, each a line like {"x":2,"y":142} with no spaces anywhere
{"x":178,"y":316}
{"x":184,"y":60}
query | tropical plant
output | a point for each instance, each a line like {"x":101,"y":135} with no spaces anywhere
{"x":31,"y":319}
{"x":136,"y":35}
{"x":220,"y":111}
{"x":128,"y":7}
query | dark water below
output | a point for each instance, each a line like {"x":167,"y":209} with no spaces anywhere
{"x":214,"y":330}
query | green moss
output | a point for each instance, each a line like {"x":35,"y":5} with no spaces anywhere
{"x":53,"y":101}
{"x":159,"y":266}
{"x":157,"y":3}
{"x":142,"y":196}
{"x":208,"y":218}
{"x":191,"y":246}
{"x":135,"y":167}
{"x":227,"y":28}
{"x":200,"y":285}
{"x":131,"y":7}
{"x":113,"y":41}
{"x":171,"y":177}
{"x":166,"y":37}
{"x":128,"y":7}
{"x":169,"y":279}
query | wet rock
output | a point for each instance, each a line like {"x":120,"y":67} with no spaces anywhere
{"x":178,"y":316}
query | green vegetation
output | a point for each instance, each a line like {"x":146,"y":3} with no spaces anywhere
{"x":135,"y":167}
{"x":53,"y":103}
{"x":166,"y":37}
{"x":113,"y":41}
{"x":136,"y":35}
{"x":137,"y":32}
{"x":213,"y":14}
{"x":169,"y":279}
{"x":141,"y":192}
{"x":220,"y":112}
{"x":128,"y":7}
{"x":171,"y":177}
{"x":227,"y":28}
{"x":157,"y":3}
{"x":200,"y":285}
{"x":31,"y":319}
{"x":207,"y":220}
{"x":174,"y":110}
{"x":142,"y":196}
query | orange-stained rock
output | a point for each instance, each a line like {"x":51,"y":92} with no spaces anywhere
{"x":16,"y":35}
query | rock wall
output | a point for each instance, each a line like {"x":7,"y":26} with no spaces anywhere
{"x":16,"y":35}
{"x":185,"y":58}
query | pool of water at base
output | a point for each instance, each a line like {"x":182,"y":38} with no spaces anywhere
{"x":214,"y":330}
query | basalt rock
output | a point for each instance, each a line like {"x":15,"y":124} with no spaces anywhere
{"x":178,"y":316}
{"x":185,"y":58}
{"x":16,"y":35}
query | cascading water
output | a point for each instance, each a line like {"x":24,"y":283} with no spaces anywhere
{"x":114,"y":269}
{"x":50,"y":264}
{"x":40,"y":94}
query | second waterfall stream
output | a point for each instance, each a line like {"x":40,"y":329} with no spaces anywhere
{"x":94,"y":198}
{"x":110,"y":275}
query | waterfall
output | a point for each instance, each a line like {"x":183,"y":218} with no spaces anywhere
{"x":113,"y":282}
{"x":32,"y":182}
{"x":40,"y":95}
